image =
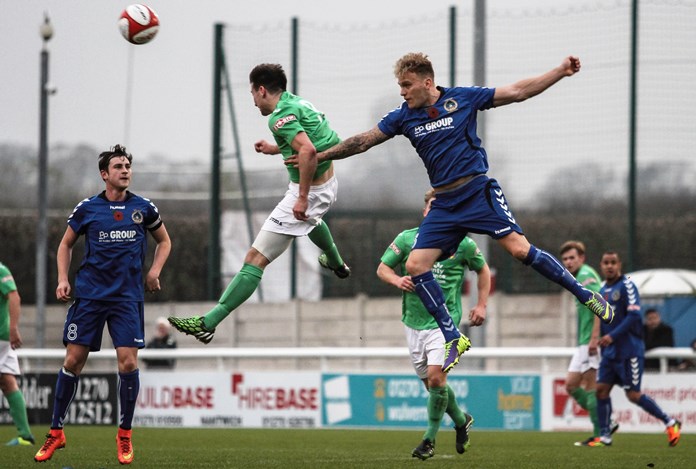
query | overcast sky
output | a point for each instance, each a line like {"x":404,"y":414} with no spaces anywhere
{"x":170,"y":103}
{"x":580,"y":123}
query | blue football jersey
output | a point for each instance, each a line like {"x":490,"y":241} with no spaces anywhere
{"x":626,"y":329}
{"x":444,"y":135}
{"x":115,"y":246}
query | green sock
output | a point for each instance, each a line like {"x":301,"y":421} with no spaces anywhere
{"x":453,"y":409}
{"x":242,"y":286}
{"x":588,"y":401}
{"x":18,"y":411}
{"x":321,"y":237}
{"x":437,"y":403}
{"x":591,"y":406}
{"x":580,"y":396}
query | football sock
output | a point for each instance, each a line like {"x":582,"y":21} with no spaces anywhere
{"x":453,"y":409}
{"x":604,"y":416}
{"x":588,"y":401}
{"x":549,"y":267}
{"x":66,"y":387}
{"x":650,"y":406}
{"x":18,"y":412}
{"x":321,"y":237}
{"x":242,"y":286}
{"x":437,"y":403}
{"x":433,"y":299}
{"x":128,"y":388}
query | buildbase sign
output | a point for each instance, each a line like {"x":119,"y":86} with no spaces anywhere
{"x":263,"y":400}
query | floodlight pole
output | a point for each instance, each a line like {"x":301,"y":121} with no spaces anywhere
{"x":46,"y":31}
{"x":632,"y":261}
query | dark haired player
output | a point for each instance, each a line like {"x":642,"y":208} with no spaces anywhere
{"x":109,"y":289}
{"x":298,"y":128}
{"x":623,"y":353}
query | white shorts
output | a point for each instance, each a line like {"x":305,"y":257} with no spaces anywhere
{"x":583,"y":361}
{"x":425,"y":348}
{"x":9,"y":364}
{"x":321,"y":198}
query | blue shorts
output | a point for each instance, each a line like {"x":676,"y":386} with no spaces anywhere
{"x":86,"y":318}
{"x":626,"y":372}
{"x":478,"y":206}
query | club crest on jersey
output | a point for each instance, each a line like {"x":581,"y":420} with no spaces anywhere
{"x":433,"y":113}
{"x":118,"y":215}
{"x":616,"y":295}
{"x":137,"y":216}
{"x":451,"y":105}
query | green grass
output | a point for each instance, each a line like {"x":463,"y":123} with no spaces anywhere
{"x":94,"y":447}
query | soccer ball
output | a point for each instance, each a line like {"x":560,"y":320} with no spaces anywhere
{"x":138,"y":24}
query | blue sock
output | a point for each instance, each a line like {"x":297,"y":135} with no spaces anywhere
{"x":433,"y":299}
{"x":549,"y":267}
{"x":604,"y":416}
{"x":650,"y":406}
{"x":66,"y":387}
{"x":128,"y":388}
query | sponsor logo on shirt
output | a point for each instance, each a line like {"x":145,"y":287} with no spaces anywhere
{"x":395,"y":248}
{"x":117,"y":235}
{"x":283,"y":120}
{"x":443,"y":123}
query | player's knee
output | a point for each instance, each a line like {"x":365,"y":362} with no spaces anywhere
{"x":416,"y":268}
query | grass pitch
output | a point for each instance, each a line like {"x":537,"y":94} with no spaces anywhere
{"x":94,"y":447}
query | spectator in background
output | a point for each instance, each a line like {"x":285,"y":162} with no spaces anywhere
{"x":689,"y":364}
{"x":656,"y":334}
{"x":161,"y":340}
{"x":10,"y":339}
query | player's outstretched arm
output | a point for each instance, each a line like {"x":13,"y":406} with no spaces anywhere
{"x":352,"y":146}
{"x":530,"y":87}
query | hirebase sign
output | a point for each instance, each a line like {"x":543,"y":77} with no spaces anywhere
{"x":239,"y":399}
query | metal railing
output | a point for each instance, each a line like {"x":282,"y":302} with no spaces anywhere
{"x":324,"y":354}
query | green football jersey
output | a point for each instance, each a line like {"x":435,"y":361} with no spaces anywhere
{"x":449,"y":273}
{"x":293,"y":115}
{"x":7,"y":285}
{"x":589,"y":279}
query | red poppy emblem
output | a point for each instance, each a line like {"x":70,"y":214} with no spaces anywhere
{"x":433,"y":112}
{"x":118,"y":216}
